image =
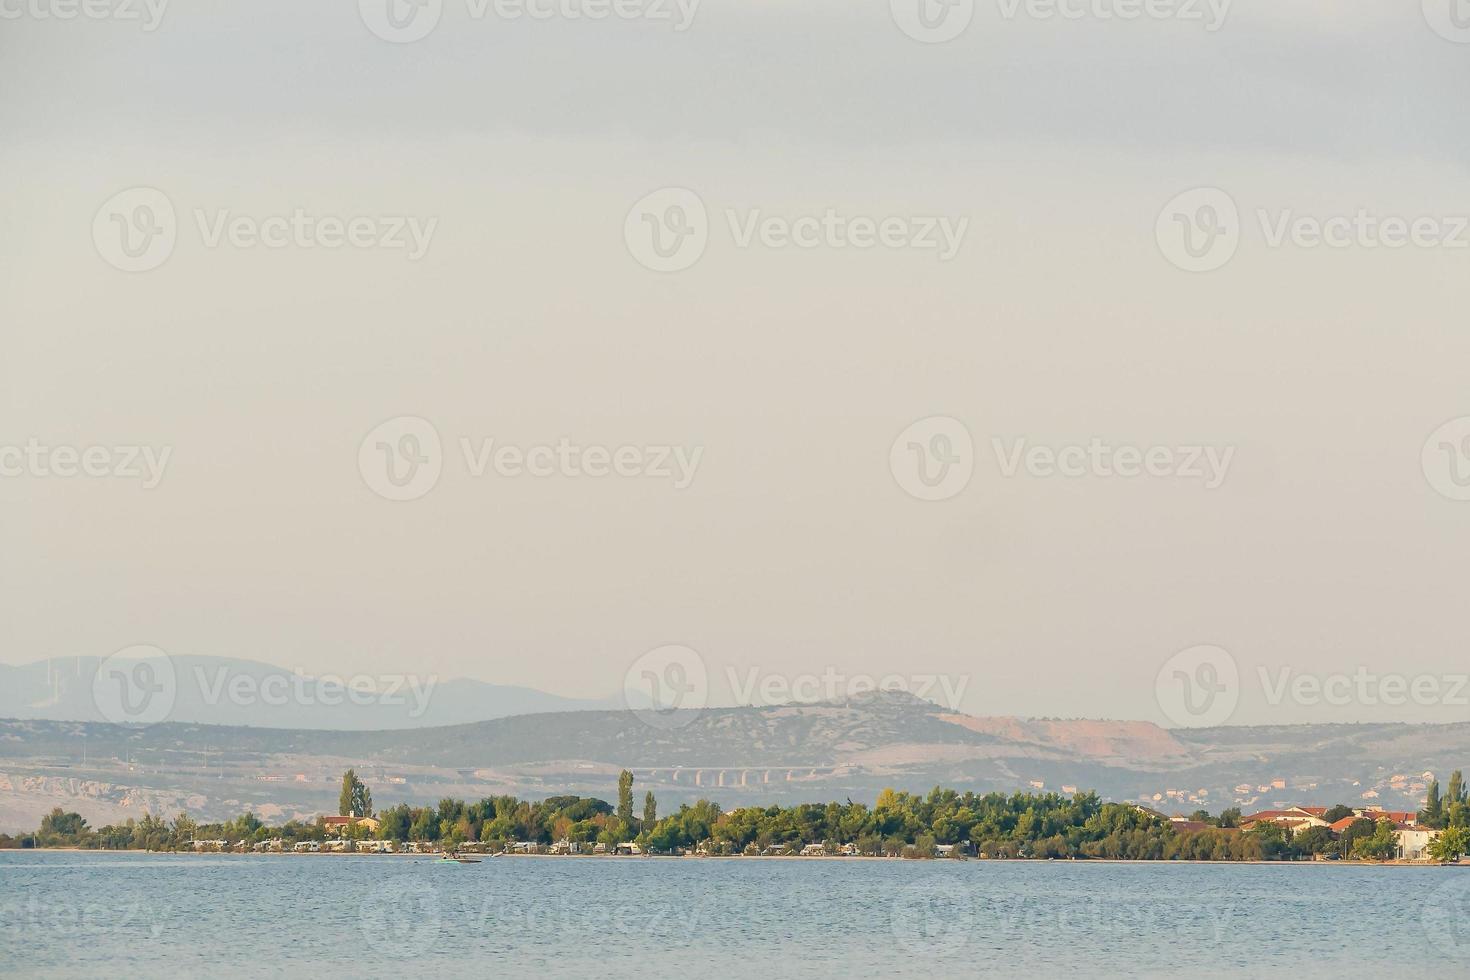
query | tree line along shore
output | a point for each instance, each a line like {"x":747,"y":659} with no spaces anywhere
{"x":942,"y":823}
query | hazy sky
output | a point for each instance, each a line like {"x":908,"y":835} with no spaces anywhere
{"x":518,"y":148}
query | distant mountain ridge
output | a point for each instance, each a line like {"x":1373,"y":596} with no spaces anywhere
{"x":61,"y":689}
{"x":831,"y":750}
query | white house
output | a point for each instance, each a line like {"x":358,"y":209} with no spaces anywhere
{"x":1414,"y":841}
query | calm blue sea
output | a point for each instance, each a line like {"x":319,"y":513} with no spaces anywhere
{"x":88,"y":915}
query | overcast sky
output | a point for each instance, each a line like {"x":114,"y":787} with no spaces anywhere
{"x":799,"y":545}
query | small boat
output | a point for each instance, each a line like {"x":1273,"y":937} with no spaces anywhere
{"x":452,"y":858}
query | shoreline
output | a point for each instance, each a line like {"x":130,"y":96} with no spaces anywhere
{"x":853,"y":859}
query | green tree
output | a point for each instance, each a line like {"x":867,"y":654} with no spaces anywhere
{"x":355,"y":800}
{"x":1456,"y":792}
{"x":1230,"y":817}
{"x":1314,"y":840}
{"x":1457,"y":815}
{"x":1433,"y":813}
{"x":61,"y":829}
{"x":650,"y":811}
{"x":625,"y":797}
{"x":1450,"y":845}
{"x":1337,"y":813}
{"x":1361,"y":827}
{"x":1381,"y":845}
{"x":395,"y":823}
{"x":425,"y":826}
